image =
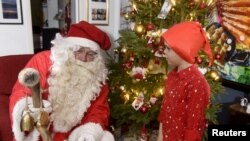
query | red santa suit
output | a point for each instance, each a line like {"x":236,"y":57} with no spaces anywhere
{"x":75,"y":93}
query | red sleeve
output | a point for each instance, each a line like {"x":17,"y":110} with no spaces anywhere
{"x":197,"y":100}
{"x":40,"y":62}
{"x":99,"y":109}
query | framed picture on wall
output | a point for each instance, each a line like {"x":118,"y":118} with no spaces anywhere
{"x":98,"y":12}
{"x":11,"y":12}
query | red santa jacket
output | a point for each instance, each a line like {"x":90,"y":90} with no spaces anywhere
{"x":96,"y":114}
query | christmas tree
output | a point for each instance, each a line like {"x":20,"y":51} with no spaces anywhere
{"x":138,"y":70}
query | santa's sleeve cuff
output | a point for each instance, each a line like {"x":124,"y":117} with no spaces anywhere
{"x":90,"y":128}
{"x":17,"y":115}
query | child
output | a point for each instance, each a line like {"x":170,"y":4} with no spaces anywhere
{"x":182,"y":115}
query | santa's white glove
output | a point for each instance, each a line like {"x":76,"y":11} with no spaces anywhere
{"x":87,"y":132}
{"x":86,"y":137}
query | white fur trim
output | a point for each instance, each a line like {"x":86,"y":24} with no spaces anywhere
{"x":83,"y":42}
{"x":17,"y":116}
{"x":25,"y":74}
{"x":107,"y":136}
{"x":90,"y":128}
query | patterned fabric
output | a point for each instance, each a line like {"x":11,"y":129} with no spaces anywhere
{"x":183,"y":109}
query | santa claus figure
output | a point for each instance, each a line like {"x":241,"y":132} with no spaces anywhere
{"x":72,"y":79}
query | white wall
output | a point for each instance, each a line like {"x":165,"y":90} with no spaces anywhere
{"x":80,"y":11}
{"x":17,"y":38}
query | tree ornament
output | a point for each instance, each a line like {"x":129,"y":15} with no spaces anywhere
{"x":213,"y":75}
{"x":217,"y":56}
{"x":126,"y":16}
{"x":139,"y":29}
{"x":144,"y":108}
{"x":198,"y":60}
{"x":203,"y":5}
{"x":138,"y":102}
{"x":150,"y":27}
{"x":166,"y":7}
{"x":138,"y":73}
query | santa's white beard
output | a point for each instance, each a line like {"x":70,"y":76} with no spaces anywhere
{"x":72,"y":86}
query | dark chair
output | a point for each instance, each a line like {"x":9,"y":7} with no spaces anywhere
{"x":10,"y":66}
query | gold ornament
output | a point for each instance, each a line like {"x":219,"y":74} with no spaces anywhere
{"x":139,"y":29}
{"x":126,"y":16}
{"x":27,"y":122}
{"x":214,"y":75}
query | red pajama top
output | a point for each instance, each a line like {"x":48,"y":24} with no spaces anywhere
{"x":183,"y":108}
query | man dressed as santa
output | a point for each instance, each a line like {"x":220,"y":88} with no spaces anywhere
{"x":72,"y":79}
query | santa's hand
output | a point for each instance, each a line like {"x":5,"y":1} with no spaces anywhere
{"x":89,"y":131}
{"x":86,"y":137}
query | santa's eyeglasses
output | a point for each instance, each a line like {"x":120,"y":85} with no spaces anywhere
{"x":85,"y":54}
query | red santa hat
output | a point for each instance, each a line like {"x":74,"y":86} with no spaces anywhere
{"x":186,"y":39}
{"x":88,"y":35}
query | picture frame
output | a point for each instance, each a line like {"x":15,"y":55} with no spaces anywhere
{"x":11,"y":12}
{"x":98,"y":12}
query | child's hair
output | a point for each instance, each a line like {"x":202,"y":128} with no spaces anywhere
{"x":186,"y":39}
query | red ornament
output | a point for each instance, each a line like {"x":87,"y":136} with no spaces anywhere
{"x":199,"y":60}
{"x":138,"y":76}
{"x":217,"y":56}
{"x":150,"y":27}
{"x":144,"y":108}
{"x":203,"y":5}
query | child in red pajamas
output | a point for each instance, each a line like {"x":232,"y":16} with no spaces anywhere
{"x":182,"y":115}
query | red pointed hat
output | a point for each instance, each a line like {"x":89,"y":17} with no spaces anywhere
{"x":186,"y":39}
{"x":88,"y":35}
